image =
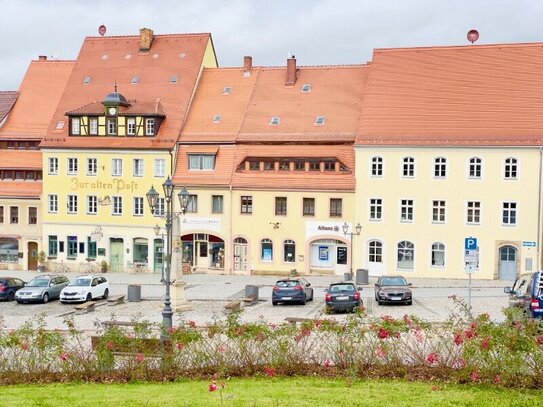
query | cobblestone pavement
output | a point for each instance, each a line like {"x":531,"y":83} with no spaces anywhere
{"x":209,"y":293}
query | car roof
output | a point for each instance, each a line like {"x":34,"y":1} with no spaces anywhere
{"x":89,"y":276}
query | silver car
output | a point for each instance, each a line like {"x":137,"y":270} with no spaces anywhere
{"x":42,"y":288}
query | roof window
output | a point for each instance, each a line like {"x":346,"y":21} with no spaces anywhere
{"x":60,"y":125}
{"x":226,"y":90}
{"x":155,"y":56}
{"x":173,"y":79}
{"x":275,"y":120}
{"x":128,"y":56}
{"x":217,"y":118}
{"x":319,"y":121}
{"x":104,"y":56}
{"x":182,"y":55}
{"x":86,"y":80}
{"x":306,"y":88}
{"x":135,"y":80}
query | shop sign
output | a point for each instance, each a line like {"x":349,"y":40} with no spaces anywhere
{"x":323,"y":228}
{"x":116,"y":185}
{"x":200,"y":223}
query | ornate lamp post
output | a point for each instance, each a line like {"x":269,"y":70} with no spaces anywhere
{"x":169,"y":215}
{"x":358,"y":229}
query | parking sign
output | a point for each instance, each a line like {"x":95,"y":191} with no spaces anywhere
{"x":470,"y":243}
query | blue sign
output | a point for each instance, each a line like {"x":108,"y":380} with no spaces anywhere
{"x":528,"y":244}
{"x":470,"y":243}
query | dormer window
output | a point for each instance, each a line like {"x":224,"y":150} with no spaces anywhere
{"x":226,"y":90}
{"x":86,"y":80}
{"x":306,"y":88}
{"x":130,"y":126}
{"x":274,"y":121}
{"x":201,"y":162}
{"x":319,"y":121}
{"x":217,"y":118}
{"x":135,"y":80}
{"x":173,"y":79}
{"x":149,"y":127}
{"x":111,"y":125}
{"x":76,"y":126}
{"x":254,"y":165}
{"x":93,"y":126}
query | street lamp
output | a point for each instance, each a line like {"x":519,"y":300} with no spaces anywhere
{"x":358,"y":229}
{"x":169,"y":215}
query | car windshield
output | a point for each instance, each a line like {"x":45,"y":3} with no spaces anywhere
{"x":393,"y":281}
{"x":287,"y":283}
{"x":342,"y":287}
{"x":80,"y":282}
{"x":41,"y":282}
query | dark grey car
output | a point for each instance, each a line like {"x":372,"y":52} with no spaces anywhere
{"x":393,"y":289}
{"x":42,"y":288}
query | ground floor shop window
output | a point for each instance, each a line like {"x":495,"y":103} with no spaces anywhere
{"x":322,"y":253}
{"x":289,"y":250}
{"x":406,"y":255}
{"x":91,"y":245}
{"x":266,"y":250}
{"x":9,"y":250}
{"x":53,"y":246}
{"x":72,"y":246}
{"x":141,"y":250}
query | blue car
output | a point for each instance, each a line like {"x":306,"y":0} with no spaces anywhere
{"x":296,"y":290}
{"x":527,"y":294}
{"x":9,"y":286}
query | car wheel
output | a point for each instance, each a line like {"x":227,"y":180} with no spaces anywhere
{"x":45,"y":298}
{"x":274,"y":303}
{"x":312,"y":295}
{"x":11,"y":296}
{"x":106,"y":294}
{"x":303,"y":300}
{"x":410,"y":302}
{"x":89,"y":297}
{"x":379,"y":302}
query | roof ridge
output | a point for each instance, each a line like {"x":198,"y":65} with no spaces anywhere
{"x":463,"y":47}
{"x":136,"y":36}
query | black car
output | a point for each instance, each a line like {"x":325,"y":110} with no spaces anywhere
{"x":393,"y":289}
{"x":9,"y":286}
{"x":342,"y":296}
{"x":292,"y":290}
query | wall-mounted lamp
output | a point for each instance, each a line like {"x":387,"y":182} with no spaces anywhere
{"x":275,"y":224}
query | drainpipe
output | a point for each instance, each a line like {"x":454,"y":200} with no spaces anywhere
{"x":231,"y":242}
{"x":538,"y":240}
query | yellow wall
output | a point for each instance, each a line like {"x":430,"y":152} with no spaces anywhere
{"x":456,"y":189}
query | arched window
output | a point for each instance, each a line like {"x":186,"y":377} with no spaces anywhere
{"x":375,"y":251}
{"x":289,"y":251}
{"x":475,"y":167}
{"x":266,"y":250}
{"x":440,"y":167}
{"x":408,"y":167}
{"x":376,"y":166}
{"x":510,"y":168}
{"x":406,"y":255}
{"x":438,"y":254}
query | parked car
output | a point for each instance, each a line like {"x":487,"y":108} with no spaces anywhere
{"x":526,"y":294}
{"x":42,"y":288}
{"x":9,"y":286}
{"x":393,"y":289}
{"x":342,"y":296}
{"x":85,"y":288}
{"x":292,"y":290}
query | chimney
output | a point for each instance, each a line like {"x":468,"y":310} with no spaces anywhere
{"x":42,"y":58}
{"x":146,"y":39}
{"x":291,"y":71}
{"x":247,"y":63}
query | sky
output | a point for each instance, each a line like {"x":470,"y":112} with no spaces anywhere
{"x":317,"y":32}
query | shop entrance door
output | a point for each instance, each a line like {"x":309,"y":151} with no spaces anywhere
{"x":32,"y":255}
{"x":116,"y":259}
{"x":240,"y":254}
{"x":341,"y":259}
{"x":201,"y":248}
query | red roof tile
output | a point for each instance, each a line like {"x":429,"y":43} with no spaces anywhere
{"x":20,"y":189}
{"x":110,"y":60}
{"x":471,"y":95}
{"x":20,"y":159}
{"x":7,"y":99}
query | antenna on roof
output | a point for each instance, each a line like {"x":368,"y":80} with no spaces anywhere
{"x":473,"y":35}
{"x":102,"y":30}
{"x":115,"y":86}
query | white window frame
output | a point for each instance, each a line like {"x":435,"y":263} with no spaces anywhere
{"x":375,"y":251}
{"x":440,"y":168}
{"x":72,"y":166}
{"x":149,"y":127}
{"x":407,"y":210}
{"x":111,"y":126}
{"x":160,"y":207}
{"x":201,"y":162}
{"x":192,"y":204}
{"x":376,"y":209}
{"x":511,"y":208}
{"x":510,"y":167}
{"x":76,"y":126}
{"x":71,"y":204}
{"x":376,"y":167}
{"x":405,"y":247}
{"x":408,"y":167}
{"x":220,"y":200}
{"x":160,"y":167}
{"x":92,"y":166}
{"x":116,"y":205}
{"x":290,"y":243}
{"x":130,"y":126}
{"x":137,"y":203}
{"x":93,"y":126}
{"x":137,"y":167}
{"x":441,"y":249}
{"x":475,"y":164}
{"x":268,"y":241}
{"x":52,"y":166}
{"x":470,"y":212}
{"x":92,"y":205}
{"x":116,"y":167}
{"x":52,"y":203}
{"x":439,"y":208}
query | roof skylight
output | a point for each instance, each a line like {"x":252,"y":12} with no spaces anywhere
{"x":275,"y":120}
{"x":217,"y":118}
{"x":319,"y":120}
{"x":226,"y":90}
{"x":60,"y":125}
{"x":174,"y":79}
{"x":306,"y":88}
{"x":135,"y":80}
{"x":87,"y":79}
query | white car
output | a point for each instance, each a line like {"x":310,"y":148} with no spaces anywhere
{"x":85,"y":288}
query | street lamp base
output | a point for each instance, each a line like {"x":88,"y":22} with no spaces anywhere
{"x":179,"y":302}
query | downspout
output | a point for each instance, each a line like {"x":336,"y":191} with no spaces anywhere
{"x":231,"y":243}
{"x":538,"y":240}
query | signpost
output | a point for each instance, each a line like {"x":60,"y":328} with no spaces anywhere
{"x":471,"y":260}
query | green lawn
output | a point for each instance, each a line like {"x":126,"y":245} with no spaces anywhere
{"x":301,"y":391}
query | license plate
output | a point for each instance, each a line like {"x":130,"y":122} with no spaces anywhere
{"x":342,"y":298}
{"x":395,"y":298}
{"x":287,"y":298}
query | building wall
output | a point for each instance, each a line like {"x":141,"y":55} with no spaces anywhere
{"x":456,"y":189}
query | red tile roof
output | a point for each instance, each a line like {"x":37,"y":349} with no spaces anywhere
{"x":40,"y":91}
{"x":20,"y":189}
{"x":110,"y":60}
{"x":20,"y":159}
{"x":469,"y":95}
{"x":7,"y":99}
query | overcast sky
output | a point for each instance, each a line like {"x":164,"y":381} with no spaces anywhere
{"x":318,"y":32}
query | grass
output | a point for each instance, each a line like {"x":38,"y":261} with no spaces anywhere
{"x":298,"y":391}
